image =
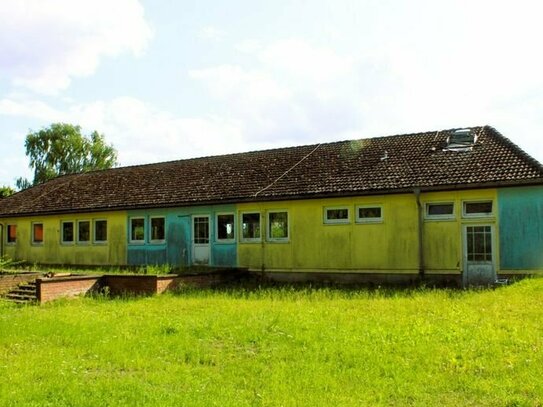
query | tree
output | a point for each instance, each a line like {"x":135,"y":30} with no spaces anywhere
{"x":6,"y":191}
{"x":61,"y":149}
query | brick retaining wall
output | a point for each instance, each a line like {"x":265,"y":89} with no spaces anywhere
{"x":49,"y":289}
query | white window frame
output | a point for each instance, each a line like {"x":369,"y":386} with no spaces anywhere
{"x":42,"y":232}
{"x":268,"y":228}
{"x":7,"y":234}
{"x":156,"y":241}
{"x":336,"y":221}
{"x":439,"y":217}
{"x":477,"y":215}
{"x":94,"y":231}
{"x":233,"y":239}
{"x":84,"y":242}
{"x":369,"y":220}
{"x":250,"y":239}
{"x":74,"y":231}
{"x":141,"y":241}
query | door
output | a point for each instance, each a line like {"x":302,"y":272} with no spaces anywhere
{"x":200,"y":243}
{"x":479,"y":255}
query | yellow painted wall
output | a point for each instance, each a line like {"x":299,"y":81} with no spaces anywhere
{"x":314,"y":245}
{"x":443,"y":239}
{"x":389,"y":246}
{"x":52,"y":251}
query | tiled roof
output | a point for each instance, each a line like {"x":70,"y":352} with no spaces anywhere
{"x":339,"y":168}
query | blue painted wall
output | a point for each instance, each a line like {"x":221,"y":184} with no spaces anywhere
{"x":521,"y":228}
{"x":177,"y":248}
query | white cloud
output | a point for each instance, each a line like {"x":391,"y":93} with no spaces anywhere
{"x":140,"y":132}
{"x":212,"y":33}
{"x":43,"y":45}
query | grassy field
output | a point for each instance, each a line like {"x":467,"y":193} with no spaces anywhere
{"x":273,"y":347}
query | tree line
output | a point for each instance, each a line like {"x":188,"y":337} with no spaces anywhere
{"x":62,"y":149}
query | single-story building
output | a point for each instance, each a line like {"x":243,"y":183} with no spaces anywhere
{"x":462,"y":204}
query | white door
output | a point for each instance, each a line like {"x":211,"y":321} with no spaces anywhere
{"x":479,"y":255}
{"x":200,"y":242}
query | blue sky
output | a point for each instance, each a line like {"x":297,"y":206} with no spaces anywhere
{"x":166,"y":80}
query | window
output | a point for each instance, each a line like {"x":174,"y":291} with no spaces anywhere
{"x":443,"y":210}
{"x":11,"y":236}
{"x":278,"y":225}
{"x":250,"y":226}
{"x":158,"y":229}
{"x":336,"y":215}
{"x":479,"y":243}
{"x":100,"y":231}
{"x":83,"y":231}
{"x":37,"y":233}
{"x":201,"y":229}
{"x":477,"y":209}
{"x":225,"y":227}
{"x":67,"y":232}
{"x":369,"y":214}
{"x":137,"y":230}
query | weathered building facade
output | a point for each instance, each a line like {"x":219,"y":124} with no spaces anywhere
{"x":461,"y":204}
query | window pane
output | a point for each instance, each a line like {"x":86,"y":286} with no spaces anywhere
{"x":157,"y":229}
{"x":137,"y":229}
{"x":440,"y":209}
{"x":478,"y":208}
{"x":278,"y":225}
{"x":12,"y":234}
{"x":67,"y":232}
{"x":250,"y":225}
{"x":37,"y":233}
{"x":337,"y":214}
{"x":201,"y":230}
{"x":369,"y":213}
{"x":225,"y":227}
{"x":83,"y":231}
{"x":100,"y":231}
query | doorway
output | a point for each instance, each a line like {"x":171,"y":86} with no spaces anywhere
{"x":479,"y":255}
{"x":200,"y":243}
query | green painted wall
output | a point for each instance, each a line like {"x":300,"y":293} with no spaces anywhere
{"x":521,"y":223}
{"x":177,"y":248}
{"x":52,"y":251}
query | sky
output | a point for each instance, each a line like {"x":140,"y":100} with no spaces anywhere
{"x":173,"y":79}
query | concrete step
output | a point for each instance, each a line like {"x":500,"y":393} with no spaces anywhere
{"x":23,"y":293}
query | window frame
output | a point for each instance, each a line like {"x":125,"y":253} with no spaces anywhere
{"x":358,"y":219}
{"x":8,"y":241}
{"x":450,"y":216}
{"x":269,"y":229}
{"x":33,"y":234}
{"x":131,"y":229}
{"x":94,"y":229}
{"x":227,"y":240}
{"x":78,"y":232}
{"x":250,"y":239}
{"x":156,"y":241}
{"x":478,"y":214}
{"x":328,"y":221}
{"x":67,"y":242}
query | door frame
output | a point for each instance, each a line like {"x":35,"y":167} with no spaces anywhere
{"x":193,"y":240}
{"x":465,"y":249}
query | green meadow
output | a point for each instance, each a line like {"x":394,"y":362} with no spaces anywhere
{"x":278,"y":347}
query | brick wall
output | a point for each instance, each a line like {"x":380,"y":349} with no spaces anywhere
{"x":52,"y":288}
{"x":9,"y":281}
{"x":130,"y":284}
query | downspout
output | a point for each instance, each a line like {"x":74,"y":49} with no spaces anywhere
{"x":1,"y":241}
{"x":420,"y":230}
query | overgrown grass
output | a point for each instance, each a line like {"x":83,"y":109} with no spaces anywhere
{"x":280,"y":346}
